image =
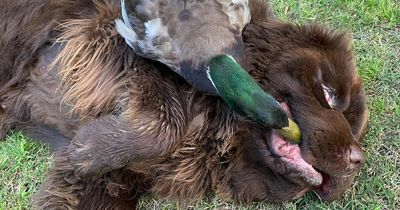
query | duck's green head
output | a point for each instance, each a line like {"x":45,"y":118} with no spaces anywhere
{"x":242,"y":93}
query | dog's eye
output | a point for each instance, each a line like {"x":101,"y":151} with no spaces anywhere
{"x":330,"y":95}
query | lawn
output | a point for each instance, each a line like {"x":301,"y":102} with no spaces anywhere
{"x":375,"y":26}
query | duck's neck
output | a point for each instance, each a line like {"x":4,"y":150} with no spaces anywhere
{"x":198,"y":77}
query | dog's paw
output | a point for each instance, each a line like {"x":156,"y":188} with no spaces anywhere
{"x":90,"y":162}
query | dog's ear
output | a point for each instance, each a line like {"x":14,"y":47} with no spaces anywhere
{"x":328,"y":94}
{"x":357,"y":111}
{"x":352,"y":103}
{"x":305,"y":65}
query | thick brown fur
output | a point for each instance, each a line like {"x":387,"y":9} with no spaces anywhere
{"x":137,"y":127}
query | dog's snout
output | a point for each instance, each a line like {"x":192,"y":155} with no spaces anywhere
{"x":356,"y":157}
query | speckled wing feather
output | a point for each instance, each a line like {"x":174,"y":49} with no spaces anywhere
{"x":177,"y":32}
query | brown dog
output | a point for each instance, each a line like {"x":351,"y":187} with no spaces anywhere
{"x":137,"y":127}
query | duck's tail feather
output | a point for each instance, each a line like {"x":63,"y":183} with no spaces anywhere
{"x":127,"y":33}
{"x":124,"y":14}
{"x":125,"y":28}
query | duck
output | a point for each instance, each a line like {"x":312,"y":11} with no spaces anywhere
{"x":201,"y":40}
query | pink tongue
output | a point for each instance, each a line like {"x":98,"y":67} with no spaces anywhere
{"x":291,"y":154}
{"x":283,"y":148}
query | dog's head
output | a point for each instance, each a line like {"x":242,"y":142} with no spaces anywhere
{"x":311,"y":71}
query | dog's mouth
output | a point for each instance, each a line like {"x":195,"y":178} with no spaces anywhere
{"x":304,"y":173}
{"x":291,"y":155}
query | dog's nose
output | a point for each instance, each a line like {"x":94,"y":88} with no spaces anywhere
{"x":356,"y":157}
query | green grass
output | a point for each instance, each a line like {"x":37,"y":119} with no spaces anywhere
{"x":375,"y":25}
{"x":23,"y":165}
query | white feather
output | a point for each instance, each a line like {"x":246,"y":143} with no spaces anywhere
{"x":231,"y":57}
{"x":125,"y":16}
{"x":154,"y":28}
{"x":127,"y":33}
{"x":209,"y":77}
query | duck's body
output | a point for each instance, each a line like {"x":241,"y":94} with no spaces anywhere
{"x":185,"y":34}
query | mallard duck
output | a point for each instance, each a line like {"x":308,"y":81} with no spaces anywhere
{"x":189,"y":36}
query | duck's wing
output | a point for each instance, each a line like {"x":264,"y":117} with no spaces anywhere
{"x":143,"y":30}
{"x":185,"y":34}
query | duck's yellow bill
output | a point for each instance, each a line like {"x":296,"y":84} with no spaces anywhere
{"x":291,"y":133}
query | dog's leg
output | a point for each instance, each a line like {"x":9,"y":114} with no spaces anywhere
{"x":107,"y":143}
{"x":110,"y":142}
{"x":45,"y":134}
{"x":119,"y":189}
{"x":63,"y":190}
